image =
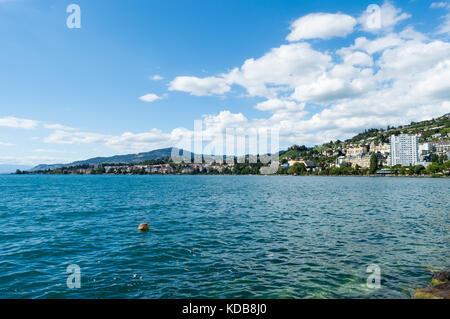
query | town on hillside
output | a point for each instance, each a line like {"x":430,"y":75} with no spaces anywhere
{"x":418,"y":149}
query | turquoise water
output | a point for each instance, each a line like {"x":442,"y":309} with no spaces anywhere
{"x":220,"y":236}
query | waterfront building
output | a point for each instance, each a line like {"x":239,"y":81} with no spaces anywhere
{"x":383,"y":148}
{"x":404,"y":150}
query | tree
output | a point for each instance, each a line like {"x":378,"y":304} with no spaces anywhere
{"x":433,"y":168}
{"x":297,"y":168}
{"x":416,"y":170}
{"x":373,"y":164}
{"x":434,"y":158}
{"x":442,"y":159}
{"x":395,"y":169}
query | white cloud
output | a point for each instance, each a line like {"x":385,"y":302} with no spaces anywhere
{"x":321,"y":26}
{"x":58,"y":127}
{"x":14,"y":122}
{"x":126,"y":142}
{"x":137,"y":141}
{"x":46,"y":150}
{"x":410,"y":34}
{"x":150,"y":97}
{"x":377,"y":45}
{"x":412,"y":57}
{"x":435,"y":5}
{"x":436,"y":82}
{"x":66,"y":137}
{"x":388,"y":15}
{"x":281,"y":69}
{"x":358,"y":58}
{"x":157,"y":77}
{"x":280,"y":104}
{"x":199,"y":86}
{"x":5,"y":144}
{"x":445,"y":26}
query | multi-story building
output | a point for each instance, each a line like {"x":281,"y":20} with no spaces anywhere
{"x":363,"y":161}
{"x":442,"y":148}
{"x":356,"y":151}
{"x":425,"y":148}
{"x":380,"y":148}
{"x":404,"y":150}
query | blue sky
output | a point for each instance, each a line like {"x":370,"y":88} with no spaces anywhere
{"x":314,"y":70}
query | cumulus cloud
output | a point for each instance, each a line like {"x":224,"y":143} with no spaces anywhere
{"x":281,"y":69}
{"x":321,"y":26}
{"x":413,"y":57}
{"x":151,"y":97}
{"x":199,"y":86}
{"x":358,"y":58}
{"x":280,"y":104}
{"x":14,"y":122}
{"x":377,"y":45}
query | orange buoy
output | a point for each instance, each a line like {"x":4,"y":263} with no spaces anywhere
{"x":143,"y":227}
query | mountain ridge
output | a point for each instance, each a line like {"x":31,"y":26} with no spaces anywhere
{"x":115,"y":159}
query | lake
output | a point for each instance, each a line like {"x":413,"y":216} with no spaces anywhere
{"x":221,"y":236}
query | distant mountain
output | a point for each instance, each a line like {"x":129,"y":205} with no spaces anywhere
{"x":122,"y":159}
{"x":11,"y":168}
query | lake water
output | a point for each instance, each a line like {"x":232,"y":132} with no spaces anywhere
{"x":221,"y":236}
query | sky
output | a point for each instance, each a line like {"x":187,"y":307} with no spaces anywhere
{"x":137,"y":74}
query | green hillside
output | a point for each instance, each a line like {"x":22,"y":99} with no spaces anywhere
{"x":427,"y":129}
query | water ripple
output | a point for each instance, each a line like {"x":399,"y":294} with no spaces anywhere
{"x":220,"y":236}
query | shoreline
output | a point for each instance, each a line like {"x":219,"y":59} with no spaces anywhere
{"x":262,"y":175}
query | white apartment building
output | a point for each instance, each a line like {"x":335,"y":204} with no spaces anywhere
{"x":404,"y":150}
